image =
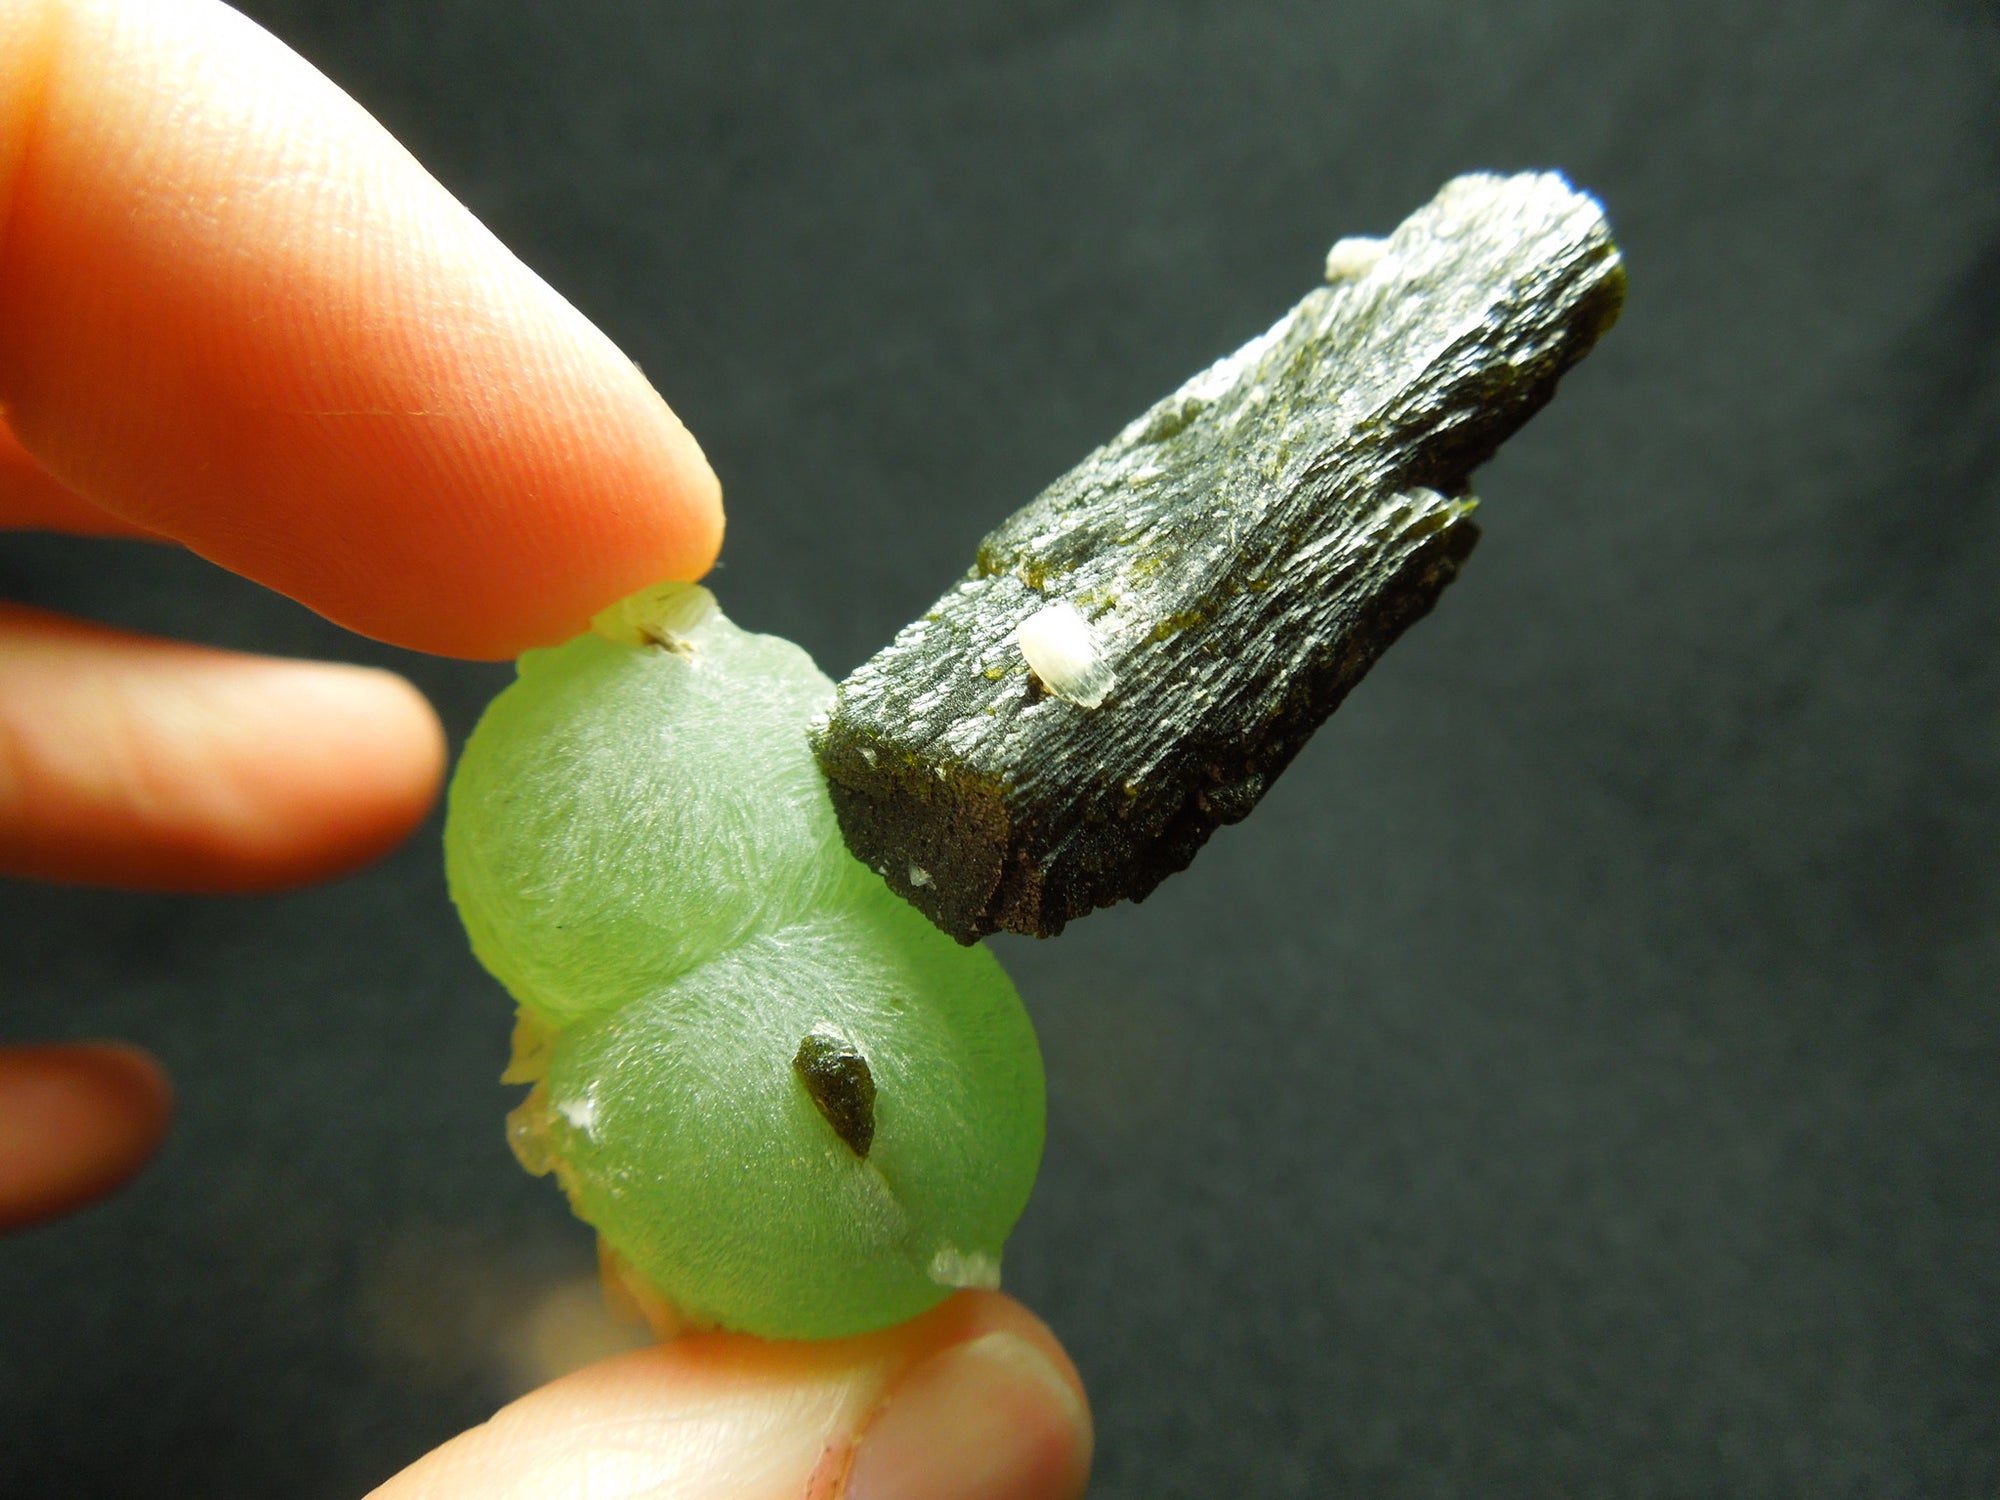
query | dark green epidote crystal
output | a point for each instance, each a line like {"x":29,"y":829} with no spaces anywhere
{"x":842,"y":1089}
{"x":1220,"y":574}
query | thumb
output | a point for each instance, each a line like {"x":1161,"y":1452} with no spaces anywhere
{"x":973,"y":1401}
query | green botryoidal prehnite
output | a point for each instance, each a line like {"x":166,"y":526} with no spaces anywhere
{"x":784,"y":1098}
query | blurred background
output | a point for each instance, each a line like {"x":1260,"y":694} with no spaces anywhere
{"x":1582,"y":1075}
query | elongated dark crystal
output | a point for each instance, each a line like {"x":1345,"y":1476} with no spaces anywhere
{"x":841,"y":1087}
{"x":1240,"y":554}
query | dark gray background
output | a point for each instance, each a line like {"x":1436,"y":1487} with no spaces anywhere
{"x":1583,"y":1074}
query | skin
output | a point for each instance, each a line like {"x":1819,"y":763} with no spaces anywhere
{"x":235,"y":316}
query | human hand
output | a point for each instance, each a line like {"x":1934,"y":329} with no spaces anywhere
{"x":235,"y":315}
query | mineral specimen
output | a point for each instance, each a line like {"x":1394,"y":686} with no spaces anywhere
{"x":790,"y":1104}
{"x":1135,"y":655}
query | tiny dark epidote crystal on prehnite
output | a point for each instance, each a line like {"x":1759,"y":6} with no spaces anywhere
{"x":1137,"y":653}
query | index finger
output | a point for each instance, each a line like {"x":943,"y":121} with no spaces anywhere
{"x":235,"y":312}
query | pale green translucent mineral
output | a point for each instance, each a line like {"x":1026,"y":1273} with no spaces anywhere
{"x":643,"y":852}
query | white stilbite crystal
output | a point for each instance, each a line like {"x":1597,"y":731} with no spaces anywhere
{"x":1063,"y":651}
{"x":1354,"y":257}
{"x":958,"y":1268}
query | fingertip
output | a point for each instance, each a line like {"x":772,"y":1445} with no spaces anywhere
{"x":351,"y":717}
{"x":973,"y":1401}
{"x":974,"y":1314}
{"x":77,"y":1121}
{"x":999,"y":1416}
{"x":233,"y":311}
{"x":307,"y":771}
{"x":150,"y":764}
{"x":646,"y":509}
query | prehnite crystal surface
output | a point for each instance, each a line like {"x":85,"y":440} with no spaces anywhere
{"x":785,"y":1099}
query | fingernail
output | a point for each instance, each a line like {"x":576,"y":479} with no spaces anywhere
{"x":988,"y":1420}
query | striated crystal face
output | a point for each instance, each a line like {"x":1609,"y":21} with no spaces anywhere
{"x":787,"y":1100}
